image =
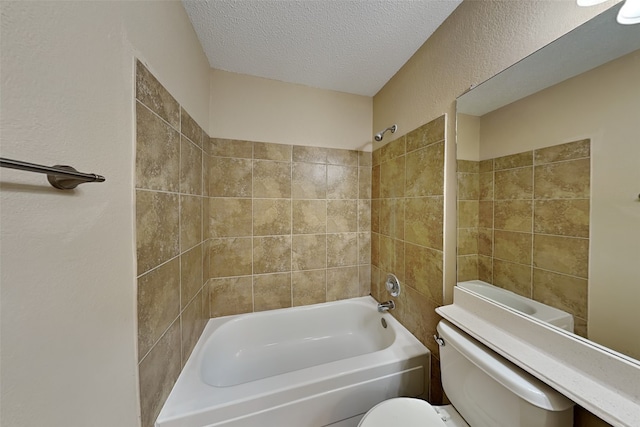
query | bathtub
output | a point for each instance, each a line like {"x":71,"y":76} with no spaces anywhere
{"x":310,"y":366}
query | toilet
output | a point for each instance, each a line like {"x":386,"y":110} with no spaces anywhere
{"x":485,"y":390}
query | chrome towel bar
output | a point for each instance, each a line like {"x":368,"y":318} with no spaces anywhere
{"x":60,"y":176}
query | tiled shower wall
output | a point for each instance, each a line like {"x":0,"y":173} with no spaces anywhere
{"x":286,"y":225}
{"x":523,"y":224}
{"x":169,"y":199}
{"x":407,"y":211}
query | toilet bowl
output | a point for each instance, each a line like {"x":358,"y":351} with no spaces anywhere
{"x":410,"y":412}
{"x":485,"y":390}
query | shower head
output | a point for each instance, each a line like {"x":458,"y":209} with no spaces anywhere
{"x":379,"y":136}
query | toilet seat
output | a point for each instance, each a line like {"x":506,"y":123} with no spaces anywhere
{"x":402,"y":411}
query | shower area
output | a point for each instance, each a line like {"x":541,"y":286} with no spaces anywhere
{"x":227,"y":227}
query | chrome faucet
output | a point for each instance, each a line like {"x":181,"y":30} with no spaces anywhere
{"x":386,"y":306}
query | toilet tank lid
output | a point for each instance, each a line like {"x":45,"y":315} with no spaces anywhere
{"x":519,"y":382}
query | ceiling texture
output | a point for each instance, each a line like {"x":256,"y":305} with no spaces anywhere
{"x":352,"y":46}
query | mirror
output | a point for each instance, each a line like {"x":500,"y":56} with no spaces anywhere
{"x":549,"y":180}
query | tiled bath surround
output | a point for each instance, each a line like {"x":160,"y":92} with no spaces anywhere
{"x":523,"y":224}
{"x":407,"y":211}
{"x":286,"y":225}
{"x":171,"y":294}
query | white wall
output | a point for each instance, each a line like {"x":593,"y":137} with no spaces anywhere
{"x":601,"y":105}
{"x":256,"y":109}
{"x":68,"y":313}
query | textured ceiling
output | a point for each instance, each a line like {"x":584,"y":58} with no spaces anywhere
{"x":352,"y":46}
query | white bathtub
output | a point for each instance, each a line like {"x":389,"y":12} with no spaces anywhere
{"x":308,"y":366}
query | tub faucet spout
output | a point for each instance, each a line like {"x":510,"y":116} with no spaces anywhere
{"x":386,"y":306}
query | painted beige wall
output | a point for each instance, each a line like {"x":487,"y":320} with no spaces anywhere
{"x":477,"y":41}
{"x":468,"y":137}
{"x":256,"y":109}
{"x":67,"y":286}
{"x":602,"y":105}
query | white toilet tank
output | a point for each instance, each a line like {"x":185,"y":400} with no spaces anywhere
{"x":489,"y":391}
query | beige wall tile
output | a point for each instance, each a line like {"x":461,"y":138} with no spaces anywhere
{"x":485,"y":268}
{"x":568,"y":255}
{"x":468,"y":166}
{"x":486,"y":166}
{"x":231,"y":295}
{"x":272,"y":291}
{"x":309,"y":154}
{"x":158,"y":373}
{"x":190,"y":168}
{"x":191,"y":325}
{"x":417,"y":313}
{"x":485,"y":241}
{"x":564,"y":292}
{"x":375,"y":182}
{"x":151,"y":93}
{"x":513,"y":277}
{"x":392,"y":150}
{"x":485,"y":186}
{"x":190,"y":221}
{"x":485,"y":213}
{"x":342,"y":249}
{"x":392,"y":175}
{"x":364,"y":215}
{"x":512,"y":246}
{"x":365,"y":158}
{"x":392,"y":256}
{"x":467,"y":241}
{"x":271,"y":217}
{"x":364,"y":280}
{"x":229,"y":148}
{"x":342,"y":216}
{"x":580,"y":327}
{"x":158,"y":303}
{"x":229,"y":177}
{"x":513,"y":215}
{"x":513,"y":184}
{"x":566,"y":217}
{"x":342,"y":182}
{"x":392,"y":217}
{"x":309,"y":216}
{"x":467,"y":267}
{"x":189,"y":128}
{"x":191,"y":279}
{"x":271,"y":179}
{"x":364,"y":248}
{"x":309,"y":252}
{"x":468,"y":213}
{"x":342,"y":283}
{"x":376,"y":156}
{"x":157,"y":228}
{"x":468,"y":186}
{"x":513,"y":161}
{"x":364,"y":182}
{"x":309,"y":287}
{"x":569,"y":151}
{"x":424,"y":219}
{"x":424,"y":271}
{"x":426,"y":134}
{"x":564,"y":180}
{"x":337,"y":156}
{"x":375,"y":249}
{"x":229,"y":217}
{"x":271,"y":254}
{"x":425,"y":171}
{"x":376,"y":285}
{"x":309,"y":181}
{"x":376,"y":206}
{"x":157,"y":152}
{"x":268,"y":151}
{"x":230,"y":257}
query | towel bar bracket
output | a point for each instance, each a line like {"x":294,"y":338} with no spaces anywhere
{"x":59,"y":176}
